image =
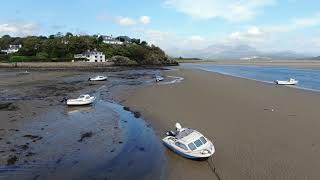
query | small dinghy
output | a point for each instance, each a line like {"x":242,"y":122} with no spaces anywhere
{"x":189,"y":143}
{"x":159,"y":78}
{"x":98,"y":78}
{"x":289,"y":82}
{"x":81,"y":100}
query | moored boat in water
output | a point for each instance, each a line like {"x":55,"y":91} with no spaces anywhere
{"x":291,"y":81}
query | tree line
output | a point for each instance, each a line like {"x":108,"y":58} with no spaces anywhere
{"x":63,"y":47}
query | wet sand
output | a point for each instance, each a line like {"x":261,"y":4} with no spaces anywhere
{"x":260,"y":131}
{"x":42,"y":138}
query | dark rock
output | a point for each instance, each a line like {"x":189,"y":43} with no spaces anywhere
{"x":36,"y":177}
{"x":23,"y":147}
{"x":59,"y":161}
{"x":137,"y":114}
{"x":126,"y":108}
{"x":85,"y":135}
{"x":31,"y":136}
{"x":12,"y":160}
{"x":8,"y":107}
{"x":29,"y":154}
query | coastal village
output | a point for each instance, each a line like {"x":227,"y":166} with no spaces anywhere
{"x":89,"y":55}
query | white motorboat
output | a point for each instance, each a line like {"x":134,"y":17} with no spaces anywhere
{"x":189,"y":143}
{"x":81,"y":100}
{"x":159,"y":78}
{"x":98,"y":78}
{"x":288,"y":82}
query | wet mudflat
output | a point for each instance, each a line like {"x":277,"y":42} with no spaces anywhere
{"x":41,"y":138}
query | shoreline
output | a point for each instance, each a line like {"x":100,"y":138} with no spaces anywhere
{"x":260,"y":131}
{"x":76,"y":66}
{"x":288,"y":63}
{"x":265,"y":82}
{"x":271,"y":82}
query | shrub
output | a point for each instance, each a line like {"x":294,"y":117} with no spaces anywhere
{"x":121,"y":61}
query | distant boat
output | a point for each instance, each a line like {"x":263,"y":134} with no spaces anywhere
{"x":189,"y":143}
{"x":98,"y":78}
{"x":288,"y":82}
{"x":24,"y":73}
{"x":159,"y":78}
{"x":81,"y":100}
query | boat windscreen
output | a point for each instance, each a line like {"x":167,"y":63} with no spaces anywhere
{"x":184,"y":133}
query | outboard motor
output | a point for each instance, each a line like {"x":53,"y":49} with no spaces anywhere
{"x":64,"y":99}
{"x":171,"y":133}
{"x":178,"y":127}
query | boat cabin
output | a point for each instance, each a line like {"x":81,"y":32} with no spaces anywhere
{"x":188,"y":139}
{"x":84,"y":97}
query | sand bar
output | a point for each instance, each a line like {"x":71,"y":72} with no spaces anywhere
{"x":260,"y":131}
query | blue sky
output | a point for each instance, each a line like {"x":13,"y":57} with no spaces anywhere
{"x":268,"y":25}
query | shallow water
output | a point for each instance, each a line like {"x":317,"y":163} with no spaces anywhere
{"x":309,"y":78}
{"x":120,"y":147}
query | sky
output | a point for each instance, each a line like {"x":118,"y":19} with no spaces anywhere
{"x":174,"y":25}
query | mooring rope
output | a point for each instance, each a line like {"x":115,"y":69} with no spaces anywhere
{"x":213,"y":168}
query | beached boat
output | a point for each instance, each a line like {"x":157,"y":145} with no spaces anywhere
{"x":159,"y":78}
{"x":81,"y":100}
{"x":289,"y":82}
{"x":98,"y":78}
{"x":189,"y":143}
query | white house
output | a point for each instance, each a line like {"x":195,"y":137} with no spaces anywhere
{"x":111,"y":40}
{"x":92,"y":56}
{"x":12,"y":49}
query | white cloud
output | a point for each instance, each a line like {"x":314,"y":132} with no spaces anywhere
{"x":274,"y":35}
{"x":251,"y":34}
{"x":19,"y":29}
{"x":125,"y":21}
{"x":196,"y":38}
{"x":255,"y":31}
{"x":232,"y":10}
{"x":171,"y":42}
{"x":295,"y":24}
{"x":145,"y":19}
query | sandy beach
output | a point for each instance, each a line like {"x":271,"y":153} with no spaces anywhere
{"x":260,"y":131}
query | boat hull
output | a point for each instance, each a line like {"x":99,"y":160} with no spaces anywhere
{"x":80,"y":103}
{"x":286,"y":83}
{"x":186,"y":155}
{"x":98,"y":79}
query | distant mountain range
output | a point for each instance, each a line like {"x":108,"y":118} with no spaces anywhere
{"x":244,"y":52}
